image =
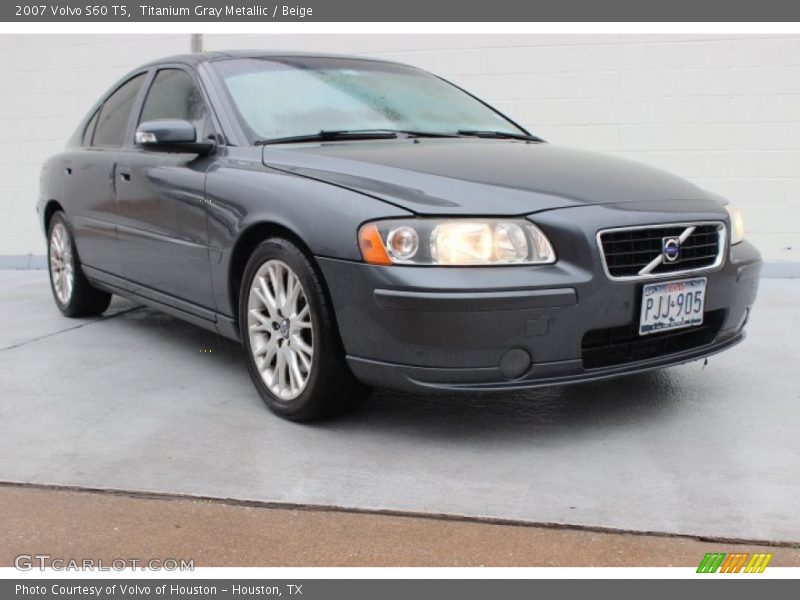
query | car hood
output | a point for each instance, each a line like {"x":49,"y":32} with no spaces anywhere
{"x":479,"y":176}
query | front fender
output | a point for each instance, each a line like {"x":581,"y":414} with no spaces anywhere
{"x":241,"y":195}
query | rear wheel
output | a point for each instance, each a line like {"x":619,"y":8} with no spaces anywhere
{"x":74,"y":295}
{"x":294,"y":353}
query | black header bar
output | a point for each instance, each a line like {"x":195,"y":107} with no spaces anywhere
{"x":151,"y":11}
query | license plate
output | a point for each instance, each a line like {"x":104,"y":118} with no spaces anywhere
{"x":672,"y":305}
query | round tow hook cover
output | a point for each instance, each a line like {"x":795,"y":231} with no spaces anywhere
{"x":514,"y":363}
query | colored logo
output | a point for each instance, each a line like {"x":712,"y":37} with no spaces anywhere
{"x":671,"y":248}
{"x":714,"y":562}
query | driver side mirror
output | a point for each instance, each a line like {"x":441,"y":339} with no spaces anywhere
{"x":171,"y":135}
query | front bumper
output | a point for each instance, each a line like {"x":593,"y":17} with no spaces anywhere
{"x":431,"y":328}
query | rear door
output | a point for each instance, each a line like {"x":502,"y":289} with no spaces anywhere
{"x":89,"y":178}
{"x":163,"y":231}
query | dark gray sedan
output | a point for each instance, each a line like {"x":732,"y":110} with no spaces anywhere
{"x":360,"y":223}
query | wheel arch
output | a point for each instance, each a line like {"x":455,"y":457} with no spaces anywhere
{"x":50,"y":208}
{"x":246,"y":244}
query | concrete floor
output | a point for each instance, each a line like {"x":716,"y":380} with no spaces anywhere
{"x":137,"y":402}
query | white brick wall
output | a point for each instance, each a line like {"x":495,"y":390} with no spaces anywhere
{"x":723,"y":111}
{"x":47,"y":84}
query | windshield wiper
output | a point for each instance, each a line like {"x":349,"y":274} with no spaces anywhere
{"x":499,"y":135}
{"x":426,"y":134}
{"x":354,"y":134}
{"x":331,"y":135}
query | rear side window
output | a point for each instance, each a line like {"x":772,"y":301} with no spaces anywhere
{"x":112,"y":121}
{"x":88,"y":132}
{"x":175,"y":95}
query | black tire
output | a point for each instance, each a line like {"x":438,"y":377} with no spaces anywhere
{"x":331,"y":388}
{"x":83,"y":300}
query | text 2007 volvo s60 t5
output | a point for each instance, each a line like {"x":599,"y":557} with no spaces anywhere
{"x":360,"y":223}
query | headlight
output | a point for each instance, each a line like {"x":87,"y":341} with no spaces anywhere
{"x":463,"y":242}
{"x":737,"y":224}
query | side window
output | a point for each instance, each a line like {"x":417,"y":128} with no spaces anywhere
{"x":174,"y":95}
{"x":112,"y":121}
{"x":88,"y":132}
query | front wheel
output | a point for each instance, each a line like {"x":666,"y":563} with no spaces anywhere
{"x":294,"y":353}
{"x":74,"y":295}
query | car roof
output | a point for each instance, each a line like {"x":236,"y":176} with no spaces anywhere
{"x":203,"y":57}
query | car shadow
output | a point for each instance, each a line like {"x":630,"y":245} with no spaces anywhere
{"x":585,"y":409}
{"x":536,"y":414}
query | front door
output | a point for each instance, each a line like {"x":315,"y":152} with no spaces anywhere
{"x":163,"y":230}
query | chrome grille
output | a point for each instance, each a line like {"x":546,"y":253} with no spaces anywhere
{"x":638,"y":252}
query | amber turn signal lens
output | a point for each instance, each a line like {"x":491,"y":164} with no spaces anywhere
{"x":371,"y":245}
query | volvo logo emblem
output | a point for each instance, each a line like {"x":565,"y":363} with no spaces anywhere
{"x":284,"y":328}
{"x":671,"y":248}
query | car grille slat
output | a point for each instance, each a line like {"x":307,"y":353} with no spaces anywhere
{"x":627,"y":251}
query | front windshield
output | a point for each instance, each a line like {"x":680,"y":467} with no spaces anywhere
{"x":286,"y":97}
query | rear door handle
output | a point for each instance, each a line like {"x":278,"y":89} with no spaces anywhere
{"x":68,"y":170}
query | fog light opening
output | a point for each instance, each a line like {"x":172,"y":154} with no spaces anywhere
{"x":515,"y":363}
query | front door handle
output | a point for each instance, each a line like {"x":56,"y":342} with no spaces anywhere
{"x":125,"y":176}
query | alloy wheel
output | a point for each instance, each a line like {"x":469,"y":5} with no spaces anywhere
{"x":62,"y":272}
{"x":280,"y":329}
